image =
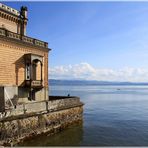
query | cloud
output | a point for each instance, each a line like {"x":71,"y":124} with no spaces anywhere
{"x":88,"y":72}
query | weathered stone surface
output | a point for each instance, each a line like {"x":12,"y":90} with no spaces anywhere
{"x":44,"y":106}
{"x":14,"y":131}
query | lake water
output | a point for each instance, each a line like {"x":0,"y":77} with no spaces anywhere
{"x":113,"y":116}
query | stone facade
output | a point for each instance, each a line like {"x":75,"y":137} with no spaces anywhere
{"x":24,"y":60}
{"x":12,"y":62}
{"x":13,"y":20}
{"x":13,"y":68}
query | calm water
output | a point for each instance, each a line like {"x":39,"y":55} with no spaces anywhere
{"x":113,"y":116}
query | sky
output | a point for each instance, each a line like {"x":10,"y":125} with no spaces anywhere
{"x":92,"y":40}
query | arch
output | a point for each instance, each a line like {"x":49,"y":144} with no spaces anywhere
{"x":37,"y":69}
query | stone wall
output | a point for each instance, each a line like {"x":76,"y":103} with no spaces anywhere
{"x":9,"y":25}
{"x":40,"y":95}
{"x":15,"y":130}
{"x":10,"y":93}
{"x":44,"y":106}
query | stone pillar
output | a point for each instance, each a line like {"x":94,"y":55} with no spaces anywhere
{"x":23,"y":22}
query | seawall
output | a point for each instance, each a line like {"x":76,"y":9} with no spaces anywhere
{"x":36,"y":118}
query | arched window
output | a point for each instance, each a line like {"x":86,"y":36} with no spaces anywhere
{"x":36,"y":70}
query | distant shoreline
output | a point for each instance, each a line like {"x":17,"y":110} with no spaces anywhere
{"x":89,"y":82}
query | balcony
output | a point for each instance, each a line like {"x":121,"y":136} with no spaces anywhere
{"x":33,"y":83}
{"x":33,"y":70}
{"x":23,"y":39}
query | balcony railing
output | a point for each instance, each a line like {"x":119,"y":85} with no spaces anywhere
{"x":33,"y":83}
{"x":36,"y":83}
{"x":9,"y":9}
{"x":26,"y":39}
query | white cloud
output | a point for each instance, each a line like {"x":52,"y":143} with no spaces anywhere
{"x":88,"y":72}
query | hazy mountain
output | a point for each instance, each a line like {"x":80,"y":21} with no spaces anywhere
{"x":89,"y":82}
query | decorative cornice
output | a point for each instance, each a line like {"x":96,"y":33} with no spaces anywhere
{"x":20,"y":46}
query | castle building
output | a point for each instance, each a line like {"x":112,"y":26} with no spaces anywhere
{"x":23,"y":61}
{"x":26,"y":109}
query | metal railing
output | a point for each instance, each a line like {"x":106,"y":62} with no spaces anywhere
{"x":26,"y":39}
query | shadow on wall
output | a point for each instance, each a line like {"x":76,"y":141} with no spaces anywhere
{"x":20,"y":71}
{"x":13,"y":102}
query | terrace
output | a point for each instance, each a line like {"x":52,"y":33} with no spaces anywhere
{"x":22,"y":38}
